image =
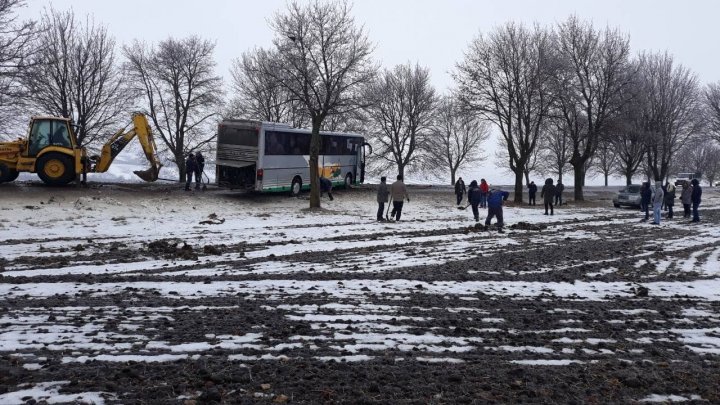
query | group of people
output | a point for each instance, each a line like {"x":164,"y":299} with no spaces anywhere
{"x":398,"y":193}
{"x":552,"y":194}
{"x":194,"y":165}
{"x":482,"y":196}
{"x":660,"y":197}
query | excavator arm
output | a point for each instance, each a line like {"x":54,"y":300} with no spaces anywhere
{"x":141,"y":130}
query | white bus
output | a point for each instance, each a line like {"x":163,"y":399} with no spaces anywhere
{"x":267,"y":156}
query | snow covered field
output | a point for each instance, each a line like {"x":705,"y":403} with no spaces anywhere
{"x":128,"y":292}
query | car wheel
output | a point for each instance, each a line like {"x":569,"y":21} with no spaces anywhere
{"x":296,"y":186}
{"x":348,"y":180}
{"x":55,"y":169}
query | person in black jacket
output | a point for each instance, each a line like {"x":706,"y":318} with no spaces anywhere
{"x":548,"y":194}
{"x":326,"y":187}
{"x":645,"y":196}
{"x":559,"y":188}
{"x":696,"y":199}
{"x":200,"y":163}
{"x":474,"y":197}
{"x":190,"y":169}
{"x":459,"y":190}
{"x":532,"y":190}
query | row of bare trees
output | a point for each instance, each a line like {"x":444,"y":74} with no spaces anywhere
{"x":565,"y":97}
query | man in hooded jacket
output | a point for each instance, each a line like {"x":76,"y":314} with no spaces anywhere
{"x":474,"y":198}
{"x":696,"y":198}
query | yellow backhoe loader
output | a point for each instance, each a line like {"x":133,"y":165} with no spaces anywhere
{"x":51,"y":150}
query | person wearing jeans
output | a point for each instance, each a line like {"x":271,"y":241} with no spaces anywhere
{"x":696,"y":198}
{"x":399,"y":193}
{"x":382,"y":198}
{"x":657,"y":201}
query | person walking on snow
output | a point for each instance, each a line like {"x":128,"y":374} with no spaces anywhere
{"x":645,"y":197}
{"x":382,"y":197}
{"x":686,"y":198}
{"x":494,"y":203}
{"x":326,"y":187}
{"x":398,"y":191}
{"x":548,"y":194}
{"x":474,"y":194}
{"x":696,"y":198}
{"x":459,"y":190}
{"x":559,"y":188}
{"x":190,"y":169}
{"x":657,"y":199}
{"x":484,"y":191}
{"x":532,"y":190}
{"x":669,"y":199}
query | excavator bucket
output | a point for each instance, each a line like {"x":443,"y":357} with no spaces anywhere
{"x":148,"y":175}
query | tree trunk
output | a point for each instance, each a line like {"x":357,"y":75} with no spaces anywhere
{"x":606,"y":179}
{"x":314,"y":162}
{"x":579,"y":182}
{"x":527,"y":178}
{"x":401,"y":170}
{"x":628,"y":178}
{"x":180,"y":161}
{"x":452,"y":177}
{"x":519,"y":174}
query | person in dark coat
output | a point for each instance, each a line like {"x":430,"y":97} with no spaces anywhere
{"x":326,"y":187}
{"x":459,"y":190}
{"x":532,"y":190}
{"x":686,"y":198}
{"x":548,"y":194}
{"x":200,"y":160}
{"x":190,"y":169}
{"x":645,"y":196}
{"x":696,"y":198}
{"x":382,"y":197}
{"x":494,"y":203}
{"x":559,"y":188}
{"x":474,"y":197}
{"x":669,"y":198}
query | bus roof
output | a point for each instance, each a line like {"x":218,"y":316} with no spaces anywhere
{"x":266,"y":125}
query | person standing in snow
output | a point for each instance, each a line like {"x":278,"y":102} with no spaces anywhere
{"x":559,"y":188}
{"x":669,"y":199}
{"x":398,"y":191}
{"x":459,"y":190}
{"x":645,"y":196}
{"x":657,"y":199}
{"x":382,"y":197}
{"x":532,"y":190}
{"x":484,"y":191}
{"x":473,"y":195}
{"x":686,"y":198}
{"x":696,"y":198}
{"x":494,"y":203}
{"x":200,"y":167}
{"x":548,"y":194}
{"x":190,"y":169}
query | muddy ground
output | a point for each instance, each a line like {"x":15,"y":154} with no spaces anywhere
{"x":148,"y":294}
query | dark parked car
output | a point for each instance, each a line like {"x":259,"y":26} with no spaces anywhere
{"x":628,"y":196}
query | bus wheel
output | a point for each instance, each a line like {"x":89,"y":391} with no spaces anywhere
{"x":348,"y":180}
{"x":296,"y":186}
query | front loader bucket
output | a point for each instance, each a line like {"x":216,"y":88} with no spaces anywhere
{"x":148,"y":175}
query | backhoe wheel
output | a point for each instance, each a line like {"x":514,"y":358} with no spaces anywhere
{"x":55,"y":169}
{"x":13,"y":174}
{"x":5,"y":173}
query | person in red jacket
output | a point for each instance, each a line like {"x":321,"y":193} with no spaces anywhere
{"x":484,"y":191}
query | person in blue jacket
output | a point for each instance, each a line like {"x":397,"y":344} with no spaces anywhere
{"x":474,"y":195}
{"x":696,"y":198}
{"x":494,"y":203}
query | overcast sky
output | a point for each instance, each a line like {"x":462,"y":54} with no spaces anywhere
{"x":434,"y":33}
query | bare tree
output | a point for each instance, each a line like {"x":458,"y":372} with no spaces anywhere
{"x":261,"y":96}
{"x":455,"y":137}
{"x":180,"y":92}
{"x":400,"y":108}
{"x":590,"y":87}
{"x":700,"y":155}
{"x":712,"y":102}
{"x":323,"y":59}
{"x":606,"y":159}
{"x":15,"y":50}
{"x":505,"y":77}
{"x":75,"y":75}
{"x":671,"y":109}
{"x":554,"y":147}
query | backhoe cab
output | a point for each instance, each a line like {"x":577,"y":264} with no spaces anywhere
{"x":51,"y":150}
